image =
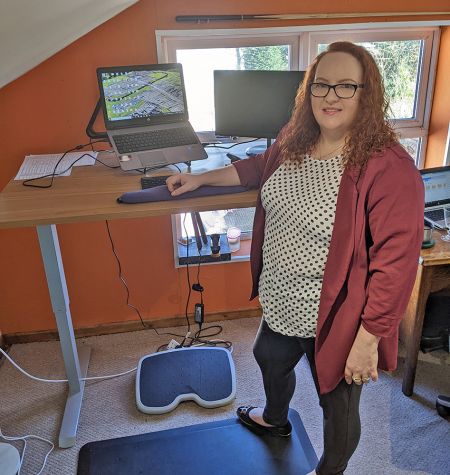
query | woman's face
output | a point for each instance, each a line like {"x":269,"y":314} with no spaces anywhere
{"x":334,"y":114}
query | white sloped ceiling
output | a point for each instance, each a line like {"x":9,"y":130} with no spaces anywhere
{"x":33,"y":30}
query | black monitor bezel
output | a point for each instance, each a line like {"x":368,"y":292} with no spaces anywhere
{"x":249,"y":130}
{"x":142,"y":121}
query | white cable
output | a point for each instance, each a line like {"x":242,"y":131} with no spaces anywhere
{"x":61,"y":380}
{"x":230,"y":349}
{"x":110,"y":376}
{"x":24,"y":440}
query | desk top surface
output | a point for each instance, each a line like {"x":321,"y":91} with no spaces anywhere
{"x":90,"y":194}
{"x":439,"y":254}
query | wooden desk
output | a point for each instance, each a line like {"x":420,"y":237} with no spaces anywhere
{"x":433,"y":274}
{"x":89,"y":194}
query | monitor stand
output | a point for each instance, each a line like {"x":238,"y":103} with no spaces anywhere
{"x":257,"y":149}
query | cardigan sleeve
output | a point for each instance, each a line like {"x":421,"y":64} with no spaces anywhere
{"x":395,"y":216}
{"x":251,"y":170}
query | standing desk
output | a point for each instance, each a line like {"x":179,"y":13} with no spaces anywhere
{"x":89,"y":194}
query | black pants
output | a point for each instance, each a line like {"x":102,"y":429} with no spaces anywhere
{"x":277,"y":355}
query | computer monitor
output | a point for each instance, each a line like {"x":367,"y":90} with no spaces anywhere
{"x":254,"y":103}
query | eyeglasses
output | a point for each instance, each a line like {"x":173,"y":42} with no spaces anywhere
{"x":343,"y":91}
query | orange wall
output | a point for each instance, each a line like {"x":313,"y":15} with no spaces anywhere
{"x":440,"y":114}
{"x":38,"y":116}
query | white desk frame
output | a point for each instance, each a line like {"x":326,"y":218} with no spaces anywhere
{"x":76,"y":363}
{"x":89,"y":195}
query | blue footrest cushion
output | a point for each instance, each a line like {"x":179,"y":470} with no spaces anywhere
{"x":202,"y":374}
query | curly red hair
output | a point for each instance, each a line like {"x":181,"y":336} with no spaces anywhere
{"x":370,"y":131}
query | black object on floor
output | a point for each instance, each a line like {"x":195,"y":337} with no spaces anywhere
{"x":221,"y":447}
{"x":443,"y":406}
{"x":436,"y":324}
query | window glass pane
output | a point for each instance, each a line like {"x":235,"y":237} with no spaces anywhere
{"x":198,"y":67}
{"x":413,"y":147}
{"x":399,"y":63}
{"x":218,"y":221}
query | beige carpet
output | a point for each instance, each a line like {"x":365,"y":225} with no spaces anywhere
{"x":400,"y":435}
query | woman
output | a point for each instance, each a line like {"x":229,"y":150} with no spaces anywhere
{"x":336,"y":240}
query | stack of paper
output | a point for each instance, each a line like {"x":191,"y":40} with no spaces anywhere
{"x":35,"y":166}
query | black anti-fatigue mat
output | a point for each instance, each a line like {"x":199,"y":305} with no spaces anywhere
{"x":221,"y":447}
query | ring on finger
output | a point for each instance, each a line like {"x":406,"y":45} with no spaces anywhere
{"x":357,"y":380}
{"x":365,"y":380}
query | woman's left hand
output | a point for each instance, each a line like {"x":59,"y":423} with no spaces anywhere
{"x":362,"y":361}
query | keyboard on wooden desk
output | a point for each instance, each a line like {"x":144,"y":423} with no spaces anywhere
{"x":152,"y":181}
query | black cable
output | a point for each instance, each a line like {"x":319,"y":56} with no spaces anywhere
{"x":103,"y":163}
{"x":122,"y":278}
{"x":53,"y":174}
{"x":128,"y":290}
{"x":199,"y":337}
{"x":91,"y":143}
{"x":231,"y":146}
{"x":187,"y":274}
{"x":149,"y":169}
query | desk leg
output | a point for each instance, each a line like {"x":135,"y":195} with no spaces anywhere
{"x":75,"y":368}
{"x":412,"y":323}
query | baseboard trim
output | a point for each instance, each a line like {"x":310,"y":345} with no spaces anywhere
{"x":123,"y":327}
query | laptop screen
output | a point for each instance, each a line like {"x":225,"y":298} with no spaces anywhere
{"x":437,"y":185}
{"x":142,"y":95}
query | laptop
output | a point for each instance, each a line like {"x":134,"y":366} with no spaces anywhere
{"x":146,"y":116}
{"x":437,"y":194}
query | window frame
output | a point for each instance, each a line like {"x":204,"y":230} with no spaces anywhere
{"x":416,"y":127}
{"x":168,"y":45}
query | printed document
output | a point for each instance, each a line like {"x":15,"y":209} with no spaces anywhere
{"x":35,"y":166}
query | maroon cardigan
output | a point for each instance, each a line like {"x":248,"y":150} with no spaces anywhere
{"x":372,"y":260}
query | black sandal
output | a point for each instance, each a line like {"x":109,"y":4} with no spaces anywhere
{"x":243,"y":413}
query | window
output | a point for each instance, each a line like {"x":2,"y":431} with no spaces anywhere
{"x":214,"y":222}
{"x":406,"y":57}
{"x":198,"y":66}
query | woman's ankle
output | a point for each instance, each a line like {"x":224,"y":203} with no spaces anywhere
{"x":256,"y":415}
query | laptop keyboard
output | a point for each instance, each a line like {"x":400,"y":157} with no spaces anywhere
{"x":435,"y":214}
{"x":150,"y":140}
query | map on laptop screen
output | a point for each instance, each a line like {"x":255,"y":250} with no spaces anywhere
{"x":142,"y":94}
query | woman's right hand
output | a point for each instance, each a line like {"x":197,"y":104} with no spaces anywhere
{"x":183,"y":182}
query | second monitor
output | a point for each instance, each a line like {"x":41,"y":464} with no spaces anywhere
{"x":254,"y":103}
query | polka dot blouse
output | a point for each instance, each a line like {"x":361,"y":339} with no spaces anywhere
{"x":300,"y":204}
